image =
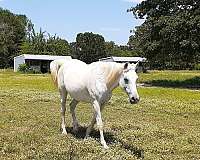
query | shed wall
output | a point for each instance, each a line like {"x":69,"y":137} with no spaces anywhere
{"x":17,"y":61}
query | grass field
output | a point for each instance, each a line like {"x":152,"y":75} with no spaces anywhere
{"x":164,"y":125}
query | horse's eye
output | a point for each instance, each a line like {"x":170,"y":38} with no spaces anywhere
{"x":125,"y":80}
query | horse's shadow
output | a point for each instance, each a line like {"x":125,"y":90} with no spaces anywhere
{"x":109,"y":138}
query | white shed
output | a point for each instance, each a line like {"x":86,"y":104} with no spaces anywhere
{"x":36,"y":62}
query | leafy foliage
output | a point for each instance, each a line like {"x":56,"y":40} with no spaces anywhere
{"x":169,"y":37}
{"x":43,"y":43}
{"x":18,"y":36}
{"x":23,"y":68}
{"x":122,"y":51}
{"x":89,"y":47}
{"x":197,"y":66}
{"x":12,"y":33}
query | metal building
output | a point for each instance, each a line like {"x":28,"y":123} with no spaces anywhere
{"x":39,"y":63}
{"x":142,"y":60}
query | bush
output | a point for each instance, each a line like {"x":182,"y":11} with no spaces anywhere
{"x":24,"y":68}
{"x":197,"y":66}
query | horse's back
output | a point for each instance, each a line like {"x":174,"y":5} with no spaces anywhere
{"x":75,"y":71}
{"x":75,"y":63}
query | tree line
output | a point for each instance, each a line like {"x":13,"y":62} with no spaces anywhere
{"x":18,"y":36}
{"x":170,"y":35}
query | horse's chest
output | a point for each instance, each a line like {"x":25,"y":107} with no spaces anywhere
{"x":104,"y":97}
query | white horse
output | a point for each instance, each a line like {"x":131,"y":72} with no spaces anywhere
{"x":92,"y":83}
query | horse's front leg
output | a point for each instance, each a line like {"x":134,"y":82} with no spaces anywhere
{"x":97,"y":112}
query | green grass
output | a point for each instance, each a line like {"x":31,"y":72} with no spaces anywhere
{"x":164,"y":125}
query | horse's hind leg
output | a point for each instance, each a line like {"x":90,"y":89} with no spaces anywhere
{"x":72,"y":110}
{"x":63,"y":96}
{"x":89,"y":129}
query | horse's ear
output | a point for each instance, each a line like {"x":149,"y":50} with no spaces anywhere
{"x":125,"y":65}
{"x":136,"y":65}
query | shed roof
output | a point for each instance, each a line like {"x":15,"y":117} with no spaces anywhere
{"x":43,"y":57}
{"x":125,"y":59}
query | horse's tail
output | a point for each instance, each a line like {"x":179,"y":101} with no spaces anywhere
{"x":54,"y":68}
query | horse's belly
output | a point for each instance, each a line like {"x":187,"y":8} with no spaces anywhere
{"x":75,"y":84}
{"x":80,"y":95}
{"x":78,"y":91}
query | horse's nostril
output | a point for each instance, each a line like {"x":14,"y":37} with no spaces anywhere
{"x":134,"y":100}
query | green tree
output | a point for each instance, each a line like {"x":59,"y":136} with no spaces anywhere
{"x":109,"y":46}
{"x":89,"y":47}
{"x":170,"y":36}
{"x":121,"y":51}
{"x":12,"y":33}
{"x":57,"y":46}
{"x":17,"y":36}
{"x":44,"y":43}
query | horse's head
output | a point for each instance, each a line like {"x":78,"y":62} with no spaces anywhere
{"x":128,"y":82}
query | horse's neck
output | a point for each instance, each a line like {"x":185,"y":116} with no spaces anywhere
{"x":113,"y":73}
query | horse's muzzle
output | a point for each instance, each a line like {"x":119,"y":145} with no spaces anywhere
{"x":134,"y":100}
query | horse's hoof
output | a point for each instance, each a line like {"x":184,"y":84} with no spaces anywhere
{"x":75,"y":131}
{"x":105,"y":146}
{"x":64,"y":132}
{"x":86,"y":138}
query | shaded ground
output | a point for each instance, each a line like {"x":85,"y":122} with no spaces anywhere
{"x":193,"y":83}
{"x":174,"y":79}
{"x":110,"y":138}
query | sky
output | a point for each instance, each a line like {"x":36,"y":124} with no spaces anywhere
{"x":67,"y":18}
